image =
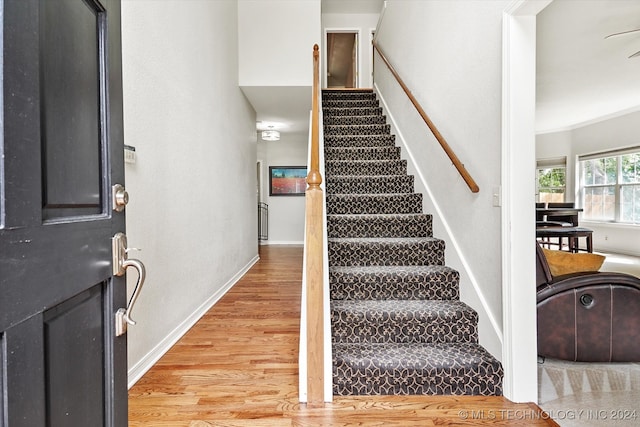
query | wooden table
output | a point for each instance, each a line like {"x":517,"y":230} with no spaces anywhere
{"x":570,"y":213}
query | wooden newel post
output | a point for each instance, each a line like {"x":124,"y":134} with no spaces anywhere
{"x":314,"y":179}
{"x":314,"y":260}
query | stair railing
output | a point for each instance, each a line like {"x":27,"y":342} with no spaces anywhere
{"x":314,"y":261}
{"x":263,"y":221}
{"x":443,"y":143}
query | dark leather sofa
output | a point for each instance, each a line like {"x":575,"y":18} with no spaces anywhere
{"x":587,"y":316}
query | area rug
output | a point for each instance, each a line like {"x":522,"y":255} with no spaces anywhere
{"x":590,"y":394}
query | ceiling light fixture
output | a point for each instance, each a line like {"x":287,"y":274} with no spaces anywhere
{"x":270,"y":135}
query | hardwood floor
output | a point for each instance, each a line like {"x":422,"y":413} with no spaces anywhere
{"x":238,"y":367}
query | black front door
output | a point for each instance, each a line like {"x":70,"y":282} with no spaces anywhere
{"x":61,"y":151}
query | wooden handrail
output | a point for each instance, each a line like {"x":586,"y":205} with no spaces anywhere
{"x":443,"y":143}
{"x":314,"y":257}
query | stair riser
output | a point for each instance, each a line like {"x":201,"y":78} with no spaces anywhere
{"x":419,"y":283}
{"x":359,"y":140}
{"x":403,"y":327}
{"x":345,"y":95}
{"x":354,"y":120}
{"x":361,"y":153}
{"x":339,"y":226}
{"x":366,"y":167}
{"x":357,"y":130}
{"x":362,"y":111}
{"x":391,"y":290}
{"x":356,"y":253}
{"x":376,"y":381}
{"x":370,"y":185}
{"x":356,"y":103}
{"x":435,"y":369}
{"x":383,"y":204}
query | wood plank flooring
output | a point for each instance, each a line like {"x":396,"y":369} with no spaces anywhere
{"x":238,"y":367}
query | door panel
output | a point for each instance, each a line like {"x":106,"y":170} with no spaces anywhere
{"x":72,"y":78}
{"x":24,"y":370}
{"x":73,"y":330}
{"x":62,"y":150}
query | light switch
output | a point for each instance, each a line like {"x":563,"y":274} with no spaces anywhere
{"x":497,"y":196}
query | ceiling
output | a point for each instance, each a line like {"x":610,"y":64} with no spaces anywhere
{"x":581,"y":76}
{"x":352,"y":6}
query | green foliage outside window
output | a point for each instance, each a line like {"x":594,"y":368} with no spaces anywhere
{"x":551,"y":184}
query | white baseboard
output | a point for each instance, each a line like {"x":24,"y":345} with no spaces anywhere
{"x":139,"y":369}
{"x":284,"y":242}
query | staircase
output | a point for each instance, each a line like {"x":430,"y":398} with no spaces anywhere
{"x":397,"y":324}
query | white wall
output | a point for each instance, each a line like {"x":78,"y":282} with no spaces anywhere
{"x":275,"y":41}
{"x":363,"y":24}
{"x":193,"y":188}
{"x":286,"y":213}
{"x":456,"y":76}
{"x":619,"y":132}
{"x":611,"y":134}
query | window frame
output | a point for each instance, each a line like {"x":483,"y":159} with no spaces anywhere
{"x":551,"y":163}
{"x":617,"y":185}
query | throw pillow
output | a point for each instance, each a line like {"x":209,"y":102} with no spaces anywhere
{"x":561,"y":262}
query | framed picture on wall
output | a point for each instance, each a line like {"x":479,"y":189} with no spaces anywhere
{"x":287,"y":180}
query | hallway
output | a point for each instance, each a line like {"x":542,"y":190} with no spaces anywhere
{"x":238,"y":367}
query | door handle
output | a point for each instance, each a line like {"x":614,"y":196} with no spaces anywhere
{"x":121,"y":262}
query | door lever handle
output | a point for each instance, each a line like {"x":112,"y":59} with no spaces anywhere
{"x":139,"y":266}
{"x":121,"y":262}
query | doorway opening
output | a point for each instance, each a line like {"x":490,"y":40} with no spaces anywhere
{"x":263,"y":208}
{"x":342,"y":59}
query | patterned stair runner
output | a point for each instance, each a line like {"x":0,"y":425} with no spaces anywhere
{"x":397,"y":323}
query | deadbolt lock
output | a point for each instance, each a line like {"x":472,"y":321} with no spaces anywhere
{"x":120,"y":197}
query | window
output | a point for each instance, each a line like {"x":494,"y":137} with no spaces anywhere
{"x":610,"y":186}
{"x":551,"y":180}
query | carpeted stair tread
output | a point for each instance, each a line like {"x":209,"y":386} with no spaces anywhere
{"x":382,"y":203}
{"x":349,"y":103}
{"x":379,"y":184}
{"x":380,"y":129}
{"x":347,"y":94}
{"x":417,"y":369}
{"x":358,"y":111}
{"x":406,"y":282}
{"x":359,"y":140}
{"x":380,"y":225}
{"x":403,"y":321}
{"x":366,"y":167}
{"x":386,"y":251}
{"x":361,"y":153}
{"x":354,"y":120}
